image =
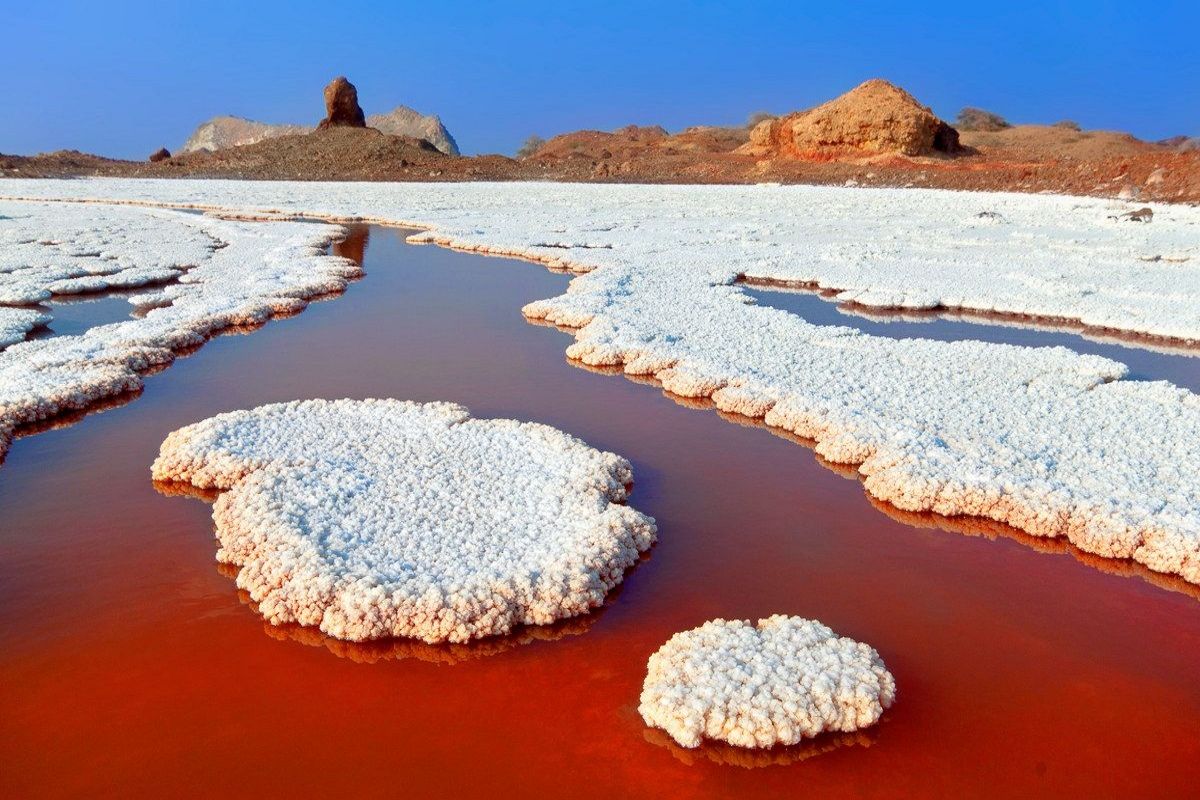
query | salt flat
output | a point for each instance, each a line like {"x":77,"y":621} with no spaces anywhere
{"x":1054,"y":443}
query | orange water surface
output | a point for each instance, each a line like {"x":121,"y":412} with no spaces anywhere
{"x":131,"y":667}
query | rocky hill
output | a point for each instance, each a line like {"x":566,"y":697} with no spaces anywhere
{"x":876,"y":135}
{"x":403,"y":121}
{"x":220,"y":133}
{"x":875,"y":118}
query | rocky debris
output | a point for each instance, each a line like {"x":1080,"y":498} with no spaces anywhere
{"x":1141,"y":215}
{"x":636,"y":144}
{"x":220,"y":133}
{"x":161,"y":154}
{"x":341,"y":105}
{"x":976,"y":119}
{"x":874,"y":118}
{"x":404,"y":121}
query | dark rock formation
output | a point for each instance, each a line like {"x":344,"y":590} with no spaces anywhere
{"x":341,"y":105}
{"x":161,"y":154}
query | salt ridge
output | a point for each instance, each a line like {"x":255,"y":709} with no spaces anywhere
{"x":380,"y":518}
{"x":1045,"y":440}
{"x":239,"y":273}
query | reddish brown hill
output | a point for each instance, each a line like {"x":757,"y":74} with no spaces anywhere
{"x":875,"y":118}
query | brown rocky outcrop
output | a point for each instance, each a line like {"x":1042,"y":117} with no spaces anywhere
{"x":341,"y":105}
{"x":161,"y":154}
{"x":874,"y":118}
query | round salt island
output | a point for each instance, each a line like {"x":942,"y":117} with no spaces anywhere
{"x":779,"y":682}
{"x":380,"y":518}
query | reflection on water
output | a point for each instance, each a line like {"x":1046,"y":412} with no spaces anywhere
{"x":129,"y":661}
{"x":75,"y":314}
{"x":724,"y":754}
{"x":1147,"y":360}
{"x":450,"y":653}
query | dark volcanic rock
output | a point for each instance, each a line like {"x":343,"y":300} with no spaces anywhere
{"x":341,"y":105}
{"x":161,"y":154}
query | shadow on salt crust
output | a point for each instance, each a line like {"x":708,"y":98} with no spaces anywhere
{"x":779,"y":682}
{"x":380,"y":518}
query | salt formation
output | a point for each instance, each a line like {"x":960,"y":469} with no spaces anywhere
{"x":1048,"y":441}
{"x":779,"y":682}
{"x":237,"y":273}
{"x":380,"y":518}
{"x":15,"y":323}
{"x":49,"y":249}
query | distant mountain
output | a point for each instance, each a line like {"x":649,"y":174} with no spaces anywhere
{"x":403,"y":121}
{"x":220,"y":133}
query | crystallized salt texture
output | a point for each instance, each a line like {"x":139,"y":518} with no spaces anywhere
{"x":381,"y":518}
{"x":779,"y":682}
{"x":51,"y":249}
{"x":15,"y":323}
{"x":237,"y":273}
{"x":1048,"y":441}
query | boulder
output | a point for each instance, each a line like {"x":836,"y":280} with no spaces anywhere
{"x":874,"y":118}
{"x":341,"y":105}
{"x":161,"y":154}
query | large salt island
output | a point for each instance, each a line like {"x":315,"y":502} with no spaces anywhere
{"x":380,"y":518}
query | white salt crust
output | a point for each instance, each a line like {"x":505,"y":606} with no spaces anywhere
{"x":380,"y":518}
{"x":1048,"y":441}
{"x":779,"y":682}
{"x":237,"y":273}
{"x":16,"y":323}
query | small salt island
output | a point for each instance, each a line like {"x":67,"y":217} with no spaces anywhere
{"x":775,"y":683}
{"x":371,"y":519}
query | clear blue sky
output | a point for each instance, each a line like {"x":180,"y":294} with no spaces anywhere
{"x":124,"y":78}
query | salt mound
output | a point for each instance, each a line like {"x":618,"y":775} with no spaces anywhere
{"x":786,"y":679}
{"x":381,"y":518}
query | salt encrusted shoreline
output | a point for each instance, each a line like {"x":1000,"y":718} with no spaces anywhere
{"x":16,"y":323}
{"x":375,"y":519}
{"x":1045,"y":440}
{"x":228,"y":274}
{"x":1048,"y":256}
{"x":775,"y":683}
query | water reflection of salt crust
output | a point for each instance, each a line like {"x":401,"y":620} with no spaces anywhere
{"x":727,"y":755}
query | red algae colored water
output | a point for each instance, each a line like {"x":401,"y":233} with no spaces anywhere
{"x":130,"y":665}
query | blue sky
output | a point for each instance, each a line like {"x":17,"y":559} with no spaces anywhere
{"x":124,"y":78}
